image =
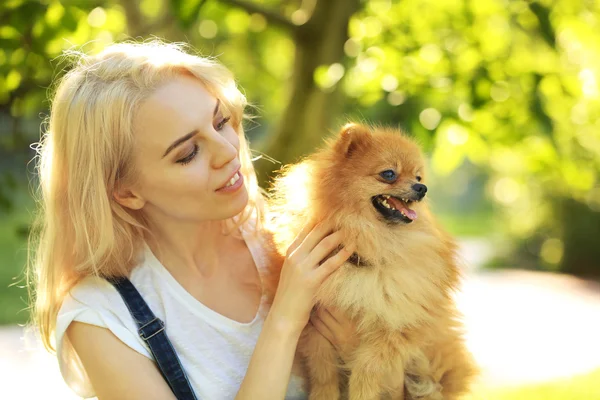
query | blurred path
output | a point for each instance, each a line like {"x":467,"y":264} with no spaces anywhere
{"x":522,"y":327}
{"x":27,"y":370}
{"x":526,"y":327}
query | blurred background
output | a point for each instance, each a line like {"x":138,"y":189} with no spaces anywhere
{"x":503,"y":95}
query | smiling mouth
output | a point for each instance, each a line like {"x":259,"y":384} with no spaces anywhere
{"x":232,"y":184}
{"x":233,"y":180}
{"x":394,"y":209}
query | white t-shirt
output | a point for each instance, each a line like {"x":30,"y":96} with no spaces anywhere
{"x":214,"y":350}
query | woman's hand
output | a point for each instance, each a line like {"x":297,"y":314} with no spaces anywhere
{"x":337,"y":328}
{"x":302,"y":274}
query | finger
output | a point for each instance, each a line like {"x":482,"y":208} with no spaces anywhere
{"x":301,"y":236}
{"x":339,"y":316}
{"x":333,"y":263}
{"x":322,"y":329}
{"x":324,"y":248}
{"x":332,"y":324}
{"x":326,"y":315}
{"x":344,"y":325}
{"x":315,"y":237}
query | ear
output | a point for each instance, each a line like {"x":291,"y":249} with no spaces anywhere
{"x":352,"y":137}
{"x":128,"y":198}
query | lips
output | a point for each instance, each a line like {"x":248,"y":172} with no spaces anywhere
{"x":231,"y":182}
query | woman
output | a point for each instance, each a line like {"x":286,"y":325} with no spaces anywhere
{"x":145,"y":174}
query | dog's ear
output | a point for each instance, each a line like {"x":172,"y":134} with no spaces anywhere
{"x":352,"y":137}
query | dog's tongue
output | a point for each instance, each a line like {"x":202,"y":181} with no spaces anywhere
{"x":401,"y":206}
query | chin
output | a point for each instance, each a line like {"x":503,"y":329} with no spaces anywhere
{"x":236,"y":205}
{"x":397,"y":287}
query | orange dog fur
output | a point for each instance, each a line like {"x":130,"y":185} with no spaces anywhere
{"x":398,"y":290}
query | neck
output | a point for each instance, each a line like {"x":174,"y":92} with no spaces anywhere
{"x":185,"y":247}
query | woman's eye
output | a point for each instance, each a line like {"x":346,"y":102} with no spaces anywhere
{"x":222,"y":124}
{"x":187,"y":159}
{"x":418,"y":179}
{"x":388,"y":175}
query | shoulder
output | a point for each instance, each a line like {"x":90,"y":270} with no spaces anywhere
{"x":97,"y":349}
{"x":96,"y":303}
{"x":94,"y":293}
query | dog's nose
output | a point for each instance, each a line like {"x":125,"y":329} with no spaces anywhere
{"x":420,"y":189}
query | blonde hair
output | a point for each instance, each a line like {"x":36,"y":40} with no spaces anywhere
{"x":84,"y":154}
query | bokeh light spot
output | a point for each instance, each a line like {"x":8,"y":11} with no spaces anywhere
{"x":552,"y":251}
{"x":299,"y":17}
{"x":97,"y":17}
{"x":499,"y":91}
{"x":258,"y":22}
{"x":465,"y":112}
{"x":396,"y":98}
{"x":208,"y":28}
{"x":507,"y":190}
{"x":457,"y":135}
{"x":430,"y":118}
{"x":352,"y":48}
{"x":431,"y":53}
{"x":389,"y":83}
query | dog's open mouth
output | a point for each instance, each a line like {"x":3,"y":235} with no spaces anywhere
{"x":393,"y":208}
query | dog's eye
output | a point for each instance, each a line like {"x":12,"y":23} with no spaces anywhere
{"x":389,"y":175}
{"x":418,"y":179}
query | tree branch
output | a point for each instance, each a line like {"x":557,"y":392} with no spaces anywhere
{"x":542,"y":14}
{"x":271,"y":16}
{"x":135,"y":20}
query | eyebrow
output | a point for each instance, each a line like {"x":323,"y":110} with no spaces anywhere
{"x":190,"y":135}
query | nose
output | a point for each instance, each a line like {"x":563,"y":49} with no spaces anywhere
{"x":420,"y":189}
{"x":222,"y":152}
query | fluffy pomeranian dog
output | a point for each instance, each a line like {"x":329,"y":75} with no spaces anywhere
{"x":397,"y":287}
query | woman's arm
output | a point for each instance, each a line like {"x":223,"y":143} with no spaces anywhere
{"x":302,"y":273}
{"x":269,"y":371}
{"x":115,"y":370}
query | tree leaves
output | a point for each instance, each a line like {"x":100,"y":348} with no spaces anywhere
{"x":186,"y":11}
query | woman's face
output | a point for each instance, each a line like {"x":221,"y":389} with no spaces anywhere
{"x":186,"y":156}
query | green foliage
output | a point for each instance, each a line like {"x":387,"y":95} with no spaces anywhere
{"x":508,"y":88}
{"x":186,"y":12}
{"x":13,"y":253}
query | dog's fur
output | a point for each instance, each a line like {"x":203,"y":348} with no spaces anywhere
{"x":399,"y":289}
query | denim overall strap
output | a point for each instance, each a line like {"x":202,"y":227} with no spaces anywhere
{"x":152,"y":331}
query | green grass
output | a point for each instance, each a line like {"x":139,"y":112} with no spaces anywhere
{"x":13,"y":256}
{"x":582,"y":387}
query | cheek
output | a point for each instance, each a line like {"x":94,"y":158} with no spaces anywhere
{"x":177,"y":183}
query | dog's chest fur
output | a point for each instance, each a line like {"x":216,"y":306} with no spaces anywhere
{"x":403,"y":284}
